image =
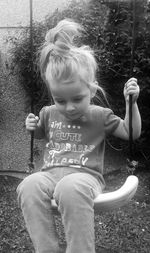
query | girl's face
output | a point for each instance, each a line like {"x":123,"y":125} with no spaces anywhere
{"x":71,"y":99}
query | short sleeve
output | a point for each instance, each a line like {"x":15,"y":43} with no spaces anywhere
{"x":43,"y":115}
{"x":111,"y":121}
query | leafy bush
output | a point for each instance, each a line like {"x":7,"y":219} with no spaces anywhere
{"x":118,"y":41}
{"x":109,"y":27}
{"x":118,"y":67}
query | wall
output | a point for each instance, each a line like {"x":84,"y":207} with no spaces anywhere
{"x":14,"y":142}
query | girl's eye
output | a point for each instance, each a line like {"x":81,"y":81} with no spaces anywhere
{"x":77,"y":100}
{"x":60,"y":101}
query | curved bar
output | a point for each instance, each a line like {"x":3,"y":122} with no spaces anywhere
{"x":108,"y":201}
{"x":116,"y":199}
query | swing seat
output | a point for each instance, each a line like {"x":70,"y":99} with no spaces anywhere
{"x":109,"y":201}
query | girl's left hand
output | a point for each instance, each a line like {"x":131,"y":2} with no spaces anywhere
{"x":131,"y":88}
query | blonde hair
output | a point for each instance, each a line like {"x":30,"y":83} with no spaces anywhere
{"x":61,"y":60}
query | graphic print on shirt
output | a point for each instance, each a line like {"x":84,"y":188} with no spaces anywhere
{"x":65,"y":146}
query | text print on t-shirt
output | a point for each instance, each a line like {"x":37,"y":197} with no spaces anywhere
{"x":65,"y":146}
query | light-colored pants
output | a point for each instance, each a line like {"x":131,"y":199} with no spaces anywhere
{"x":74,"y":193}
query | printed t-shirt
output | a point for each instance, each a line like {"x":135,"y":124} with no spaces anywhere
{"x":79,"y":143}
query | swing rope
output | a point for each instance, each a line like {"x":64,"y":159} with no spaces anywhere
{"x":131,"y":163}
{"x":131,"y":74}
{"x":31,"y":164}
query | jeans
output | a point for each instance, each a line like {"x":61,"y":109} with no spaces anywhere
{"x":74,"y":193}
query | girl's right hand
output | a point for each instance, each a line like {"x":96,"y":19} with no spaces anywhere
{"x":31,"y":122}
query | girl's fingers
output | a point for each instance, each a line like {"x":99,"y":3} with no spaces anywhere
{"x":131,"y":88}
{"x":32,"y":118}
{"x":132,"y":79}
{"x":37,"y":118}
{"x":31,"y":122}
{"x":131,"y":83}
{"x":31,"y":127}
{"x":31,"y":115}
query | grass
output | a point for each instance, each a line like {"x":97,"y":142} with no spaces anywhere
{"x":124,"y":230}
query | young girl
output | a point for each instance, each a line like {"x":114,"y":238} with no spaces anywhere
{"x":75,"y":131}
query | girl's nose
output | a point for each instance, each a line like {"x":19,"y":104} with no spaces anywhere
{"x":69,"y":107}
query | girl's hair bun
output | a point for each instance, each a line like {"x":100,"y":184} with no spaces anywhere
{"x":50,"y":36}
{"x":61,"y":47}
{"x":65,"y":31}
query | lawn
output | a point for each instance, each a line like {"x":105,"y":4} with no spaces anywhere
{"x":120,"y":231}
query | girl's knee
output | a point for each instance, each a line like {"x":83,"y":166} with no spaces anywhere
{"x":30,"y":187}
{"x":71,"y":190}
{"x":28,"y":183}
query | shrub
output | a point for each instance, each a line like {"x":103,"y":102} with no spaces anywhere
{"x":117,"y":68}
{"x":109,"y":27}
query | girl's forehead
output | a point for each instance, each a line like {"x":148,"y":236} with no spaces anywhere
{"x":69,"y":89}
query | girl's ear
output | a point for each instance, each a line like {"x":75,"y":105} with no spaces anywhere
{"x":93,"y":89}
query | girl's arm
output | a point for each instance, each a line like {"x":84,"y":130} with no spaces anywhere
{"x":122,"y":131}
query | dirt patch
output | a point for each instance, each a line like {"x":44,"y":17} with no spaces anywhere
{"x":120,"y":231}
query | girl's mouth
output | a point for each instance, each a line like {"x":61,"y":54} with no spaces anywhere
{"x":73,"y":116}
